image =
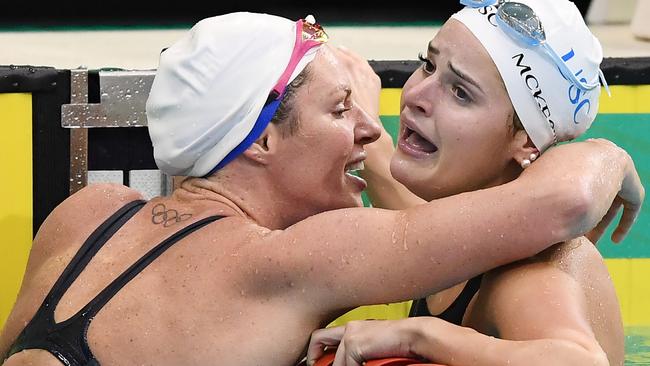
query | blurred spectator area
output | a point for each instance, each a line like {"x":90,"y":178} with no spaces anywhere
{"x":157,"y":13}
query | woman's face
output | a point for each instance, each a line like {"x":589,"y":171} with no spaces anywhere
{"x":316,"y":162}
{"x":456,"y":132}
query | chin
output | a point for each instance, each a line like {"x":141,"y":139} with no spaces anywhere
{"x":347,"y":201}
{"x":412,"y":176}
{"x":422,"y":181}
{"x":354,"y":200}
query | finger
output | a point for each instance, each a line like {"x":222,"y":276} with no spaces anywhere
{"x":339,"y":357}
{"x":349,"y":55}
{"x":322,"y":338}
{"x":349,"y":52}
{"x":596,"y":233}
{"x":630,"y":213}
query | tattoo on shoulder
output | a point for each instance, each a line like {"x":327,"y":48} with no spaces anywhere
{"x":166,"y":216}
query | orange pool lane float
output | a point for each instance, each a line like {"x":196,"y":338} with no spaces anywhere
{"x":328,"y":359}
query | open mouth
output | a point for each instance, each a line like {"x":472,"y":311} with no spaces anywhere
{"x":351,"y":171}
{"x":354,"y":168}
{"x":414,"y":142}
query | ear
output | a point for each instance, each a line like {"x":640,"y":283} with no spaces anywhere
{"x":263,"y":149}
{"x":524,"y":151}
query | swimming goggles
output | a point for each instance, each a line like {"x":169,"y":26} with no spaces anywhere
{"x":520,"y":22}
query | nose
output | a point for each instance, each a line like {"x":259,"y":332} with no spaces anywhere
{"x":367,"y":128}
{"x":418,"y":94}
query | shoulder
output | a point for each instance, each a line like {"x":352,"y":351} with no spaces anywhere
{"x":96,"y":201}
{"x":107,"y":194}
{"x":553,"y":279}
{"x":570,"y":257}
{"x":84,"y":210}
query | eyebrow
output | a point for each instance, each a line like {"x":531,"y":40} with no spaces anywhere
{"x":433,"y":49}
{"x":343,"y":88}
{"x":464,"y":76}
{"x":337,"y":90}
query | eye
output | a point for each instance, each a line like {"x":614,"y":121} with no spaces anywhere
{"x":339,"y":112}
{"x":427,"y":65}
{"x":461,"y":94}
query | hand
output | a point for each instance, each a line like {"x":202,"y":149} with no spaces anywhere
{"x":630,"y":197}
{"x":321,"y":340}
{"x":599,"y":174}
{"x":359,"y":341}
{"x":365,"y":83}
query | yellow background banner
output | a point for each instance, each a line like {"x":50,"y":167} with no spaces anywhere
{"x":16,"y":192}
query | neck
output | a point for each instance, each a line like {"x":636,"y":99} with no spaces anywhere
{"x":246,"y":193}
{"x":510,"y":172}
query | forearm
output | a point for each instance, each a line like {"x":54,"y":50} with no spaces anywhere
{"x":385,"y":192}
{"x":420,"y":250}
{"x":452,"y":345}
{"x":589,"y":180}
{"x":482,"y":230}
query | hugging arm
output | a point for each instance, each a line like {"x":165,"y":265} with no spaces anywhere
{"x":337,"y":257}
{"x":436,"y":340}
{"x":541,"y":314}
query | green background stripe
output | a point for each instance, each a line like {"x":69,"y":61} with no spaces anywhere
{"x":629,"y":131}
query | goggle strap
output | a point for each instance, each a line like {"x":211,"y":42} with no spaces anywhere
{"x":273,"y":95}
{"x":300,"y":48}
{"x":282,"y":83}
{"x":603,"y":81}
{"x":566,"y":72}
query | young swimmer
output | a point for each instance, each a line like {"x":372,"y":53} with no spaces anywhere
{"x":266,"y":242}
{"x":475,"y":117}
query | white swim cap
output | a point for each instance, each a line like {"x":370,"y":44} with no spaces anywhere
{"x":210,"y":88}
{"x":551,"y":108}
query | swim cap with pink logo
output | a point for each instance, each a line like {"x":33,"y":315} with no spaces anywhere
{"x":551,"y":107}
{"x":212,"y":85}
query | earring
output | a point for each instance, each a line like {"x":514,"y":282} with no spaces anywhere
{"x":525,"y":163}
{"x":533,"y":156}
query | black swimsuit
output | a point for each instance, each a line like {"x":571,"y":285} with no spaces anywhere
{"x":67,"y":340}
{"x":455,"y":312}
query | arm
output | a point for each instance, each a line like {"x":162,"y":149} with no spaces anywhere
{"x":436,"y":340}
{"x":336,"y":257}
{"x":564,"y":297}
{"x":545,"y":310}
{"x":539,"y":312}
